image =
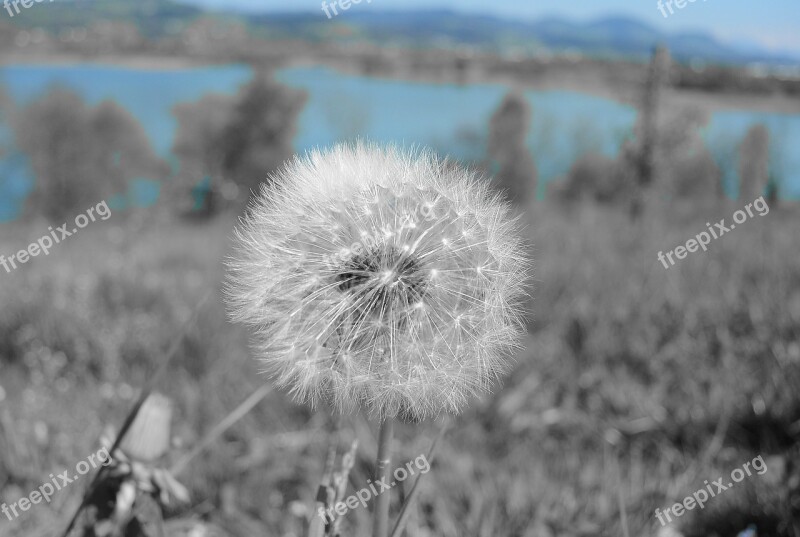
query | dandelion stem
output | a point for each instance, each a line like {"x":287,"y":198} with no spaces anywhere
{"x":405,"y":511}
{"x":384,"y":475}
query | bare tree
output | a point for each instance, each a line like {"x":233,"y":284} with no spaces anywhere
{"x":510,"y":160}
{"x":641,"y":154}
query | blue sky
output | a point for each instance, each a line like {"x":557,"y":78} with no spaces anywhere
{"x":774,"y":24}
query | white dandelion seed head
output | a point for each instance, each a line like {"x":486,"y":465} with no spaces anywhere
{"x":379,"y":278}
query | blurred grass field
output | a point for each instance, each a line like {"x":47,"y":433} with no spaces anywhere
{"x":636,"y":384}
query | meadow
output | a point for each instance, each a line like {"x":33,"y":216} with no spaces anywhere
{"x":636,"y":383}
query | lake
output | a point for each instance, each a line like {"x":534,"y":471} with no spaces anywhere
{"x":452,"y":119}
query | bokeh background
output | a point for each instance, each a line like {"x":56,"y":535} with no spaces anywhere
{"x":616,"y":133}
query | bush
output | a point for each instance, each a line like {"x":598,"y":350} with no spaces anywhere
{"x":596,"y":177}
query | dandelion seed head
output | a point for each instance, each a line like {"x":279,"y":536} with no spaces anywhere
{"x":379,"y":278}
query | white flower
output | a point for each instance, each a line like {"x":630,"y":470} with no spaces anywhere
{"x":379,"y":278}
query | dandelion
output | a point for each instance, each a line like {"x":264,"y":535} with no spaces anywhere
{"x":380,"y":279}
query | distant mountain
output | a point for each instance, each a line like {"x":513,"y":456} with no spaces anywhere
{"x":613,"y":37}
{"x":153,"y":18}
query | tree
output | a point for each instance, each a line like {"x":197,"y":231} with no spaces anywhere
{"x":641,"y":153}
{"x":686,"y":168}
{"x":54,"y":133}
{"x":683,"y":164}
{"x":515,"y":170}
{"x":80,"y":155}
{"x":259,"y":135}
{"x":231,"y":144}
{"x":123,"y":149}
{"x":200,"y":151}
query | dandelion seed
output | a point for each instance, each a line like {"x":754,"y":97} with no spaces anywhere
{"x":337,"y":263}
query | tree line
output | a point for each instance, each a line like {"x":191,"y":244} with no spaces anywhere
{"x":227,"y":145}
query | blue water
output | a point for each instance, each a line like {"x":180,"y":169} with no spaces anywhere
{"x":148,"y":95}
{"x":450,"y":118}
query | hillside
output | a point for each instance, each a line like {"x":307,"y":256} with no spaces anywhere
{"x":610,"y":37}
